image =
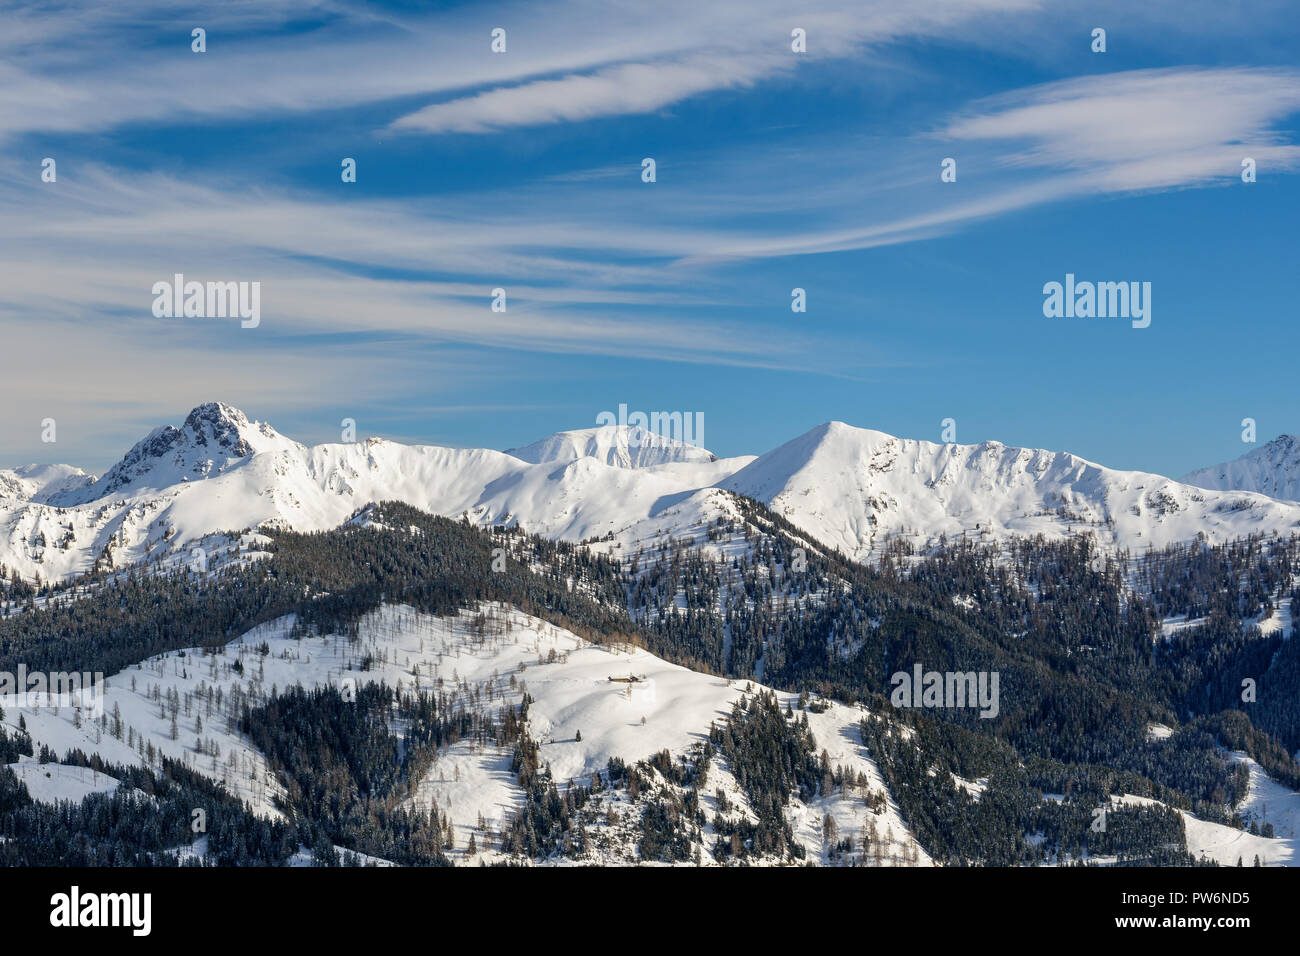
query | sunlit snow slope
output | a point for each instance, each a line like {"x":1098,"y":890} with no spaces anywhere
{"x":1272,"y":469}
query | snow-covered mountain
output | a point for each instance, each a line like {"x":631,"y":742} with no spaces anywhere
{"x":851,"y":488}
{"x":1272,"y":469}
{"x":854,"y":488}
{"x":213,"y":439}
{"x":621,"y":447}
{"x":222,"y":472}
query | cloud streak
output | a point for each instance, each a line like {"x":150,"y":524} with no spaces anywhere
{"x":627,"y":89}
{"x":571,"y":61}
{"x":1108,"y":134}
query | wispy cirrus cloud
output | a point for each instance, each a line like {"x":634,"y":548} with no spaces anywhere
{"x":97,"y":244}
{"x":359,"y":282}
{"x":718,"y":47}
{"x":626,"y":89}
{"x":1143,"y":129}
{"x":569,"y":61}
{"x":1105,"y":134}
{"x":1102,"y":134}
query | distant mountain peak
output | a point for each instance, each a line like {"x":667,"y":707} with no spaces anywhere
{"x":620,"y":446}
{"x":41,"y":482}
{"x":1272,"y":469}
{"x":855,"y":489}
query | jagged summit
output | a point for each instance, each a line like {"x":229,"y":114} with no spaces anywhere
{"x":213,"y":437}
{"x":219,"y":424}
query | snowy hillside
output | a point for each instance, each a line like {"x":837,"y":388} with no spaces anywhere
{"x":1266,"y":802}
{"x":580,"y":717}
{"x":582,"y":714}
{"x":1272,"y":469}
{"x":51,"y":782}
{"x":850,"y":488}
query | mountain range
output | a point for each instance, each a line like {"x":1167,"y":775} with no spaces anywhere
{"x":726,"y":694}
{"x":852,"y":489}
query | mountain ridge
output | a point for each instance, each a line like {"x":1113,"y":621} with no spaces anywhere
{"x":853,"y":489}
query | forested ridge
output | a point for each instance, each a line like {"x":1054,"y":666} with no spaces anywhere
{"x":1073,"y":634}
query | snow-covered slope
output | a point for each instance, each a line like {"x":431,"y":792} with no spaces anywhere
{"x":41,"y":482}
{"x":1272,"y":469}
{"x":622,"y":447}
{"x":853,"y":488}
{"x":849,"y":488}
{"x":1267,"y":801}
{"x":52,"y":782}
{"x":577,"y":715}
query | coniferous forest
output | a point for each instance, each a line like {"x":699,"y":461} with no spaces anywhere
{"x":1074,"y":636}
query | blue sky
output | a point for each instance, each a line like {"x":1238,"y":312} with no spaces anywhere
{"x":775,"y":170}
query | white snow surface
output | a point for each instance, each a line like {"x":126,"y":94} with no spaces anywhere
{"x":614,"y":445}
{"x":52,"y":782}
{"x":1272,"y":469}
{"x":41,"y":482}
{"x":671,"y":708}
{"x":848,"y":488}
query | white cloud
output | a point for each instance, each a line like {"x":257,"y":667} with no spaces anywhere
{"x":629,"y":88}
{"x":1193,"y":121}
{"x":1097,"y":135}
{"x":567,"y":61}
{"x":717,"y":47}
{"x":93,"y":247}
